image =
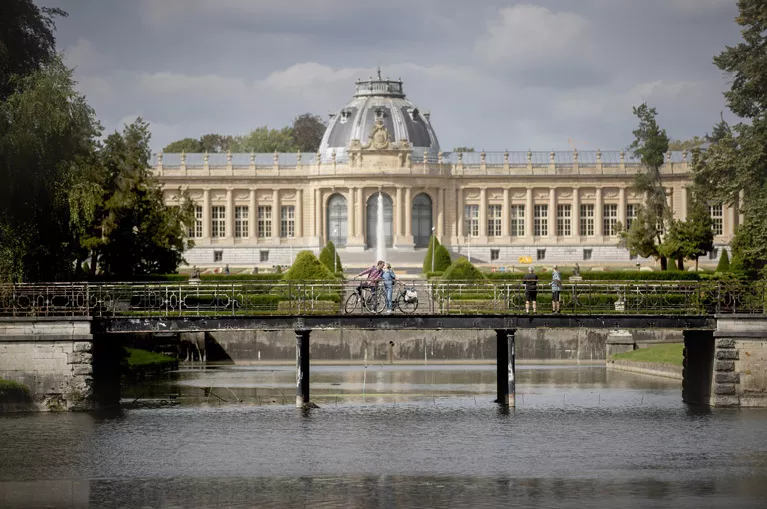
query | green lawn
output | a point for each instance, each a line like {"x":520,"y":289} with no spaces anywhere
{"x":138,"y":357}
{"x":669,"y":354}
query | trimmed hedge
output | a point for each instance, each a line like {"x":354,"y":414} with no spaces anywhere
{"x":463,"y":270}
{"x":307,"y":267}
{"x":724,"y":262}
{"x":326,"y":257}
{"x":616,"y":275}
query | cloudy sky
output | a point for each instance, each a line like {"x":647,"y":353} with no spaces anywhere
{"x":494,"y":74}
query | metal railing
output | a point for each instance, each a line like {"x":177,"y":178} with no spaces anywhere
{"x":244,"y":298}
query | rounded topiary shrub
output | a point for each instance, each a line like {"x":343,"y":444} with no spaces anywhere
{"x":326,"y":257}
{"x":724,"y":262}
{"x":307,"y":267}
{"x":463,"y":270}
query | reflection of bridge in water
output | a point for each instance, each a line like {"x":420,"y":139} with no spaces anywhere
{"x":697,"y":307}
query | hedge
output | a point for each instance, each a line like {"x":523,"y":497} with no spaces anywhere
{"x":463,"y":270}
{"x":615,"y":275}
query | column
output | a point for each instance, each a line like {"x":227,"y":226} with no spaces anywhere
{"x":741,"y":217}
{"x":505,"y":367}
{"x":398,"y":231}
{"x":598,"y":230}
{"x":684,"y":197}
{"x":441,"y":206}
{"x":408,"y":216}
{"x":276,"y":214}
{"x":622,"y":206}
{"x":350,"y":214}
{"x":299,"y":213}
{"x":360,"y":218}
{"x":229,"y":214}
{"x":553,"y":213}
{"x":576,"y":215}
{"x":483,"y":212}
{"x":206,"y":214}
{"x":729,"y":223}
{"x":460,"y":213}
{"x":529,"y":213}
{"x":252,"y":217}
{"x":506,"y":217}
{"x":302,"y":368}
{"x":318,"y":215}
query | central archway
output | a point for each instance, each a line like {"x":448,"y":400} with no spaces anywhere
{"x":422,"y":220}
{"x":337,"y":220}
{"x":372,"y":220}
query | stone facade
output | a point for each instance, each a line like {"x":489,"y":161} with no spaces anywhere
{"x":52,"y":357}
{"x":495,"y":207}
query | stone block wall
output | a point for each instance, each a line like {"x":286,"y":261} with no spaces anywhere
{"x":52,"y":357}
{"x":740,"y":361}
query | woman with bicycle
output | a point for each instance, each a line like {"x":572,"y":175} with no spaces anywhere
{"x":388,"y":280}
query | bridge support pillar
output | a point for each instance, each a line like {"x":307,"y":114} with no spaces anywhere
{"x":302,"y":368}
{"x":506,"y":367}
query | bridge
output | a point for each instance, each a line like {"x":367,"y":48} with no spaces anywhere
{"x":80,"y":313}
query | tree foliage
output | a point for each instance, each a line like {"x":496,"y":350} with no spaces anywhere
{"x":463,"y":149}
{"x":307,"y":132}
{"x":26,"y":40}
{"x":649,"y":146}
{"x":306,"y":267}
{"x":441,"y":257}
{"x":724,"y":262}
{"x":326,"y":257}
{"x":736,"y":161}
{"x":463,"y":270}
{"x":694,"y":142}
{"x":691,"y":238}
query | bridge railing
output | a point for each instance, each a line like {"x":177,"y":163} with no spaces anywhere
{"x":244,"y":298}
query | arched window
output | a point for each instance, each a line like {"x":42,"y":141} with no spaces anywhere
{"x":422,"y":220}
{"x":337,"y":220}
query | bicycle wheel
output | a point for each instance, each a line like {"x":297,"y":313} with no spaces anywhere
{"x":352,"y":303}
{"x":407,"y":306}
{"x":377,"y":301}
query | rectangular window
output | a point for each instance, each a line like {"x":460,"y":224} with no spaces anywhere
{"x":287,"y":221}
{"x":540,"y":254}
{"x":587,"y":254}
{"x":517,"y":220}
{"x":495,"y":254}
{"x":196,"y":230}
{"x":563,"y":220}
{"x":263,"y":255}
{"x":218,"y":256}
{"x":494,"y":218}
{"x":264,"y":221}
{"x":610,"y":220}
{"x":717,"y":223}
{"x":541,"y":220}
{"x":587,"y":220}
{"x":218,"y":222}
{"x":631,"y":214}
{"x":471,"y":216}
{"x":241,"y":221}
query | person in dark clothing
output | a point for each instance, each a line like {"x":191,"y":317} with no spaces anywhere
{"x":531,"y":289}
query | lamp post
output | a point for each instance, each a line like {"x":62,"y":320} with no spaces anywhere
{"x":433,"y":247}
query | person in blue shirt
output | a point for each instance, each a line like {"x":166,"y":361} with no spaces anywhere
{"x":388,"y":280}
{"x":556,"y":287}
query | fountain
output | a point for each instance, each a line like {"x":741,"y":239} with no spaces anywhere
{"x":380,"y":233}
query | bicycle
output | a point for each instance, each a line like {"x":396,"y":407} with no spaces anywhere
{"x":366,"y":298}
{"x":405,"y":299}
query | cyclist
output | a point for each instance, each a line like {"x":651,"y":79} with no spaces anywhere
{"x":374,"y":274}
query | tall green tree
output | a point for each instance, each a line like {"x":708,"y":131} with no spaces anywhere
{"x":188,"y":145}
{"x":649,"y":146}
{"x":47,"y":147}
{"x":26,"y":40}
{"x":692,"y":238}
{"x":141,"y":234}
{"x":307,"y":132}
{"x":263,"y":139}
{"x":736,"y":162}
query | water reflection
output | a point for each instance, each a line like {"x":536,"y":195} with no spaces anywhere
{"x":420,"y":436}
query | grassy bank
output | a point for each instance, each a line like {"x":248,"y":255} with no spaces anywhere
{"x":13,"y":392}
{"x":142,"y":363}
{"x":667,"y":354}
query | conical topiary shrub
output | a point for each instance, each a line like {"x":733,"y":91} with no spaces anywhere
{"x":326,"y":257}
{"x":463,"y":270}
{"x":433,"y":243}
{"x":724,"y":262}
{"x":442,"y":259}
{"x":307,"y":267}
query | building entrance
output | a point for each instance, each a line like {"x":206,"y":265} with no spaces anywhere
{"x":422,"y":220}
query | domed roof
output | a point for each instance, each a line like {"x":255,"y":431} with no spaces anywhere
{"x":379,"y":99}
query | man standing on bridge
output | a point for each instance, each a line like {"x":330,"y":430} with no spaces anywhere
{"x":531,"y":289}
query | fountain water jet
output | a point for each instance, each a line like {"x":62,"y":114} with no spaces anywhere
{"x":380,"y":232}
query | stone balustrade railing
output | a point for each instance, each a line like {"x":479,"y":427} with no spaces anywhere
{"x":452,"y":163}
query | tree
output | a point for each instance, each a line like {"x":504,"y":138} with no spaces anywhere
{"x":307,"y":267}
{"x":263,"y":139}
{"x":327,"y":255}
{"x":737,"y":159}
{"x":26,"y":40}
{"x":308,"y":130}
{"x":463,"y":270}
{"x":188,"y":145}
{"x":694,"y":142}
{"x":440,"y":257}
{"x":216,"y":142}
{"x":724,"y":262}
{"x":141,"y":234}
{"x":691,"y":238}
{"x":649,"y":146}
{"x":463,"y":149}
{"x":47,"y":147}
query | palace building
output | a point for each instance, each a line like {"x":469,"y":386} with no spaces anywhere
{"x":497,"y":208}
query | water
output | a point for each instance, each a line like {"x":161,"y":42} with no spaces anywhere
{"x":380,"y":231}
{"x":418,"y":436}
